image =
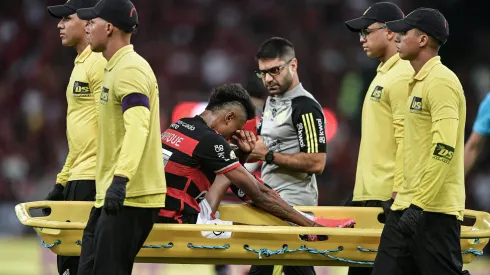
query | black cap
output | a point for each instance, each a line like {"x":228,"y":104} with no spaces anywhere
{"x":378,"y":12}
{"x":430,"y":21}
{"x":70,"y":7}
{"x":120,"y":13}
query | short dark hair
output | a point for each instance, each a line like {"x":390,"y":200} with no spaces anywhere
{"x":276,"y":47}
{"x":231,"y":94}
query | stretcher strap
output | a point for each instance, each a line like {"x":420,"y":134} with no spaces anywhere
{"x":267,"y":252}
{"x":218,"y":247}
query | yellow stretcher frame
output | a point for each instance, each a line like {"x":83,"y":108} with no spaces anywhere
{"x":281,"y":242}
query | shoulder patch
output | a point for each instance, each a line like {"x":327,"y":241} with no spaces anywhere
{"x":443,"y":152}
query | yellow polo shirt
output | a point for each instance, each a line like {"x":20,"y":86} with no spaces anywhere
{"x":434,"y":142}
{"x":82,"y":96}
{"x":380,"y":161}
{"x":129,"y":131}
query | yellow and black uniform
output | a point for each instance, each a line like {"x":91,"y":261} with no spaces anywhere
{"x":129,"y":131}
{"x":422,"y":233}
{"x":129,"y":147}
{"x":82,"y":95}
{"x":434,"y":139}
{"x":130,"y":179}
{"x":380,"y":162}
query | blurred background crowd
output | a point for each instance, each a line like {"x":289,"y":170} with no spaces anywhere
{"x":194,"y":45}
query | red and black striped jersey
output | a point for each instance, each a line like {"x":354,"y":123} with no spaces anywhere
{"x":193,"y":155}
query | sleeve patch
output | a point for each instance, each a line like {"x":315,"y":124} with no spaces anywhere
{"x":443,"y":153}
{"x":134,"y":100}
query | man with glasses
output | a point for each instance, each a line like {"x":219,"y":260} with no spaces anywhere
{"x":292,"y":141}
{"x":380,"y":160}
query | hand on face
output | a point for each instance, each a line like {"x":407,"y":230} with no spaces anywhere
{"x":245,"y":140}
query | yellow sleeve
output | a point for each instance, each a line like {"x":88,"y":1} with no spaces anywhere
{"x":137,"y":126}
{"x":96,"y":77}
{"x":398,"y":95}
{"x":133,"y":91}
{"x":398,"y":176}
{"x":62,"y":177}
{"x":443,"y":104}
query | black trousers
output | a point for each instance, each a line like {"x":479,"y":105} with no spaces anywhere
{"x":288,"y":270}
{"x":434,"y":250}
{"x":361,"y":270}
{"x":77,"y":190}
{"x":110,"y":243}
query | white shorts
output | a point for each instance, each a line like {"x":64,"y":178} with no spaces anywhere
{"x":206,"y":217}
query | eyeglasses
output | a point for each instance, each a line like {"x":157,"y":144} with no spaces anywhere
{"x":274,"y":71}
{"x":363,"y":33}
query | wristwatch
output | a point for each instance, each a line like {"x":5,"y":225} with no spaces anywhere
{"x":269,"y":157}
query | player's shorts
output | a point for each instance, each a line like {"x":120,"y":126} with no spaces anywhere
{"x":205,"y":216}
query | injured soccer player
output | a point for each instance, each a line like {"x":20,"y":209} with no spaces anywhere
{"x":196,"y":152}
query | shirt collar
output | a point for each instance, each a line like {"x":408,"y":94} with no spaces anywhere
{"x":84,"y":55}
{"x":117,"y":56}
{"x":298,"y":87}
{"x":386,"y":66}
{"x":436,"y":60}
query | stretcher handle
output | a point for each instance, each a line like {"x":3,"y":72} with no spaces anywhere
{"x":22,"y":212}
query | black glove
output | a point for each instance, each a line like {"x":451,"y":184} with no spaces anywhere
{"x":386,"y":205}
{"x":56,"y":194}
{"x":410,"y":219}
{"x":115,"y":195}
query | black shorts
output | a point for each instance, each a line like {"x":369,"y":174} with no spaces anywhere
{"x":110,"y":243}
{"x":76,"y":190}
{"x":185,"y":219}
{"x":435,"y":249}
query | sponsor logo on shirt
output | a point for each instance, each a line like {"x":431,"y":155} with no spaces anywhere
{"x":185,"y":125}
{"x":416,"y":105}
{"x":104,"y":95}
{"x":443,"y":153}
{"x":376,"y":94}
{"x":321,"y":131}
{"x":300,"y":128}
{"x":81,"y":89}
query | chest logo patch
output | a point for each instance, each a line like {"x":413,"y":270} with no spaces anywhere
{"x":104,"y":95}
{"x":416,"y":105}
{"x":377,"y":93}
{"x":81,"y":89}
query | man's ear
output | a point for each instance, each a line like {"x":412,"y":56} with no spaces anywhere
{"x":294,"y":65}
{"x":109,"y":29}
{"x":229,"y":117}
{"x":390,"y":35}
{"x":423,"y":40}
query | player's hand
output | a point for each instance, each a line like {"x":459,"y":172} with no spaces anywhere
{"x":410,"y":219}
{"x":56,"y":194}
{"x":260,"y":150}
{"x":115,"y":195}
{"x":245,"y":140}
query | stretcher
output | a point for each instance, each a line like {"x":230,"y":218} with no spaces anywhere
{"x":266,"y":241}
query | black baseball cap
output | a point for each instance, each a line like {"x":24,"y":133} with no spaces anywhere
{"x":70,"y":7}
{"x":120,"y":13}
{"x":378,"y":12}
{"x":430,"y":21}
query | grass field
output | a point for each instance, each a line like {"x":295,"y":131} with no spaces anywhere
{"x":25,"y":256}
